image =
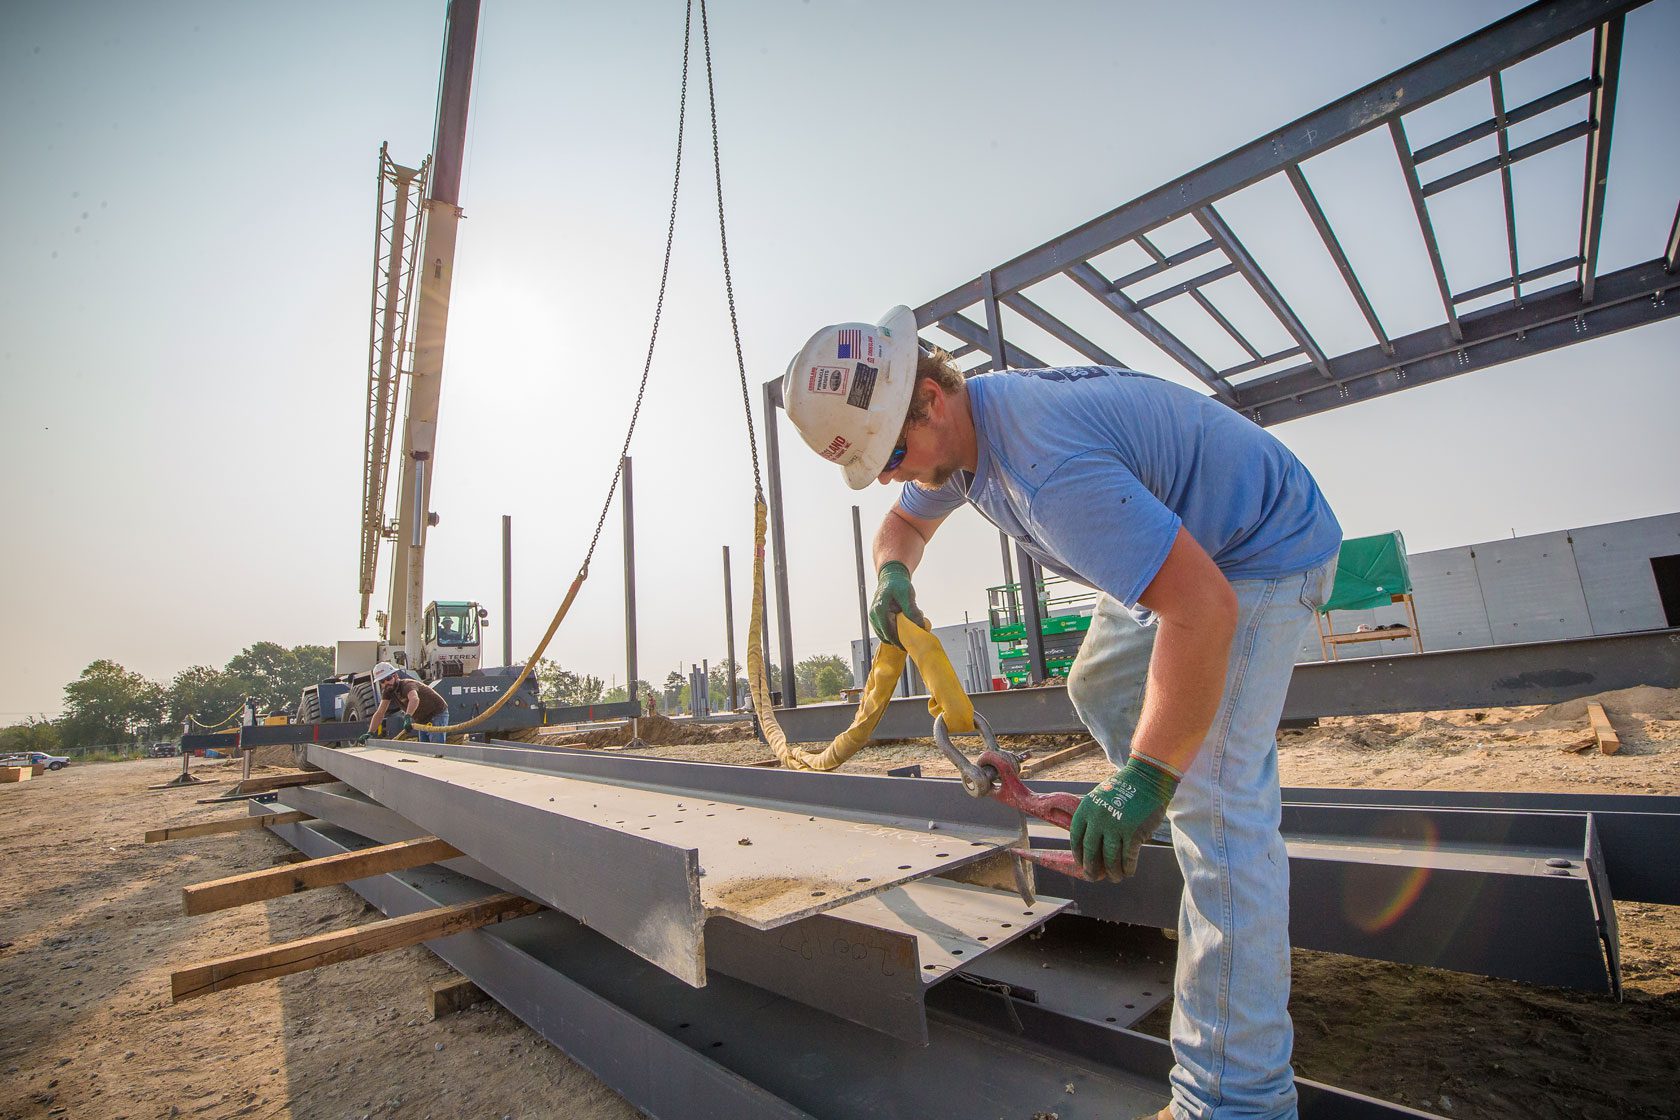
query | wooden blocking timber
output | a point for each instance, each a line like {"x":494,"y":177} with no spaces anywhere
{"x":1608,"y":742}
{"x":1039,"y":765}
{"x":15,"y":773}
{"x":281,"y":781}
{"x":345,"y":945}
{"x":232,"y":824}
{"x":275,"y":882}
{"x":450,"y":996}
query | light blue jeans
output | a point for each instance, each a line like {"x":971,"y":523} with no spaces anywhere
{"x":1231,"y":1034}
{"x":440,"y":720}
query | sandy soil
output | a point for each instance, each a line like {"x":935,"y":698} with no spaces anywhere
{"x":90,"y":927}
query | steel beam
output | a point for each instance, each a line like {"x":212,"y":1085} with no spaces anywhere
{"x":1486,"y":676}
{"x":648,"y":865}
{"x":1636,"y":832}
{"x":1426,"y":228}
{"x":1607,"y":65}
{"x":1492,"y":125}
{"x":1628,"y":298}
{"x":1099,"y":287}
{"x":1504,"y":161}
{"x":1263,"y":287}
{"x":1393,"y":883}
{"x":869,"y":962}
{"x":680,"y":1053}
{"x":1060,"y":331}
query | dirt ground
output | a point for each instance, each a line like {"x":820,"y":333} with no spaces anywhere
{"x":90,"y":928}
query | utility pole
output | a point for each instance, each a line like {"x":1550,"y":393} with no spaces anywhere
{"x":729,"y":631}
{"x":507,"y":589}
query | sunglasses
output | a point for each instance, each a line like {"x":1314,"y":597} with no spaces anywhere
{"x":894,"y":459}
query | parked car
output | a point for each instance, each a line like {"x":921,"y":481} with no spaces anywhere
{"x":163,"y":750}
{"x":38,"y":758}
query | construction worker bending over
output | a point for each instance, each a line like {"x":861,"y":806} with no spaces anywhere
{"x":1189,"y":520}
{"x":415,"y":701}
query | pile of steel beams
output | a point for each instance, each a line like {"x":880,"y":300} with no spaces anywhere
{"x":737,"y":941}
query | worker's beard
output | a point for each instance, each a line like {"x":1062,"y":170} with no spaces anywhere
{"x":940,"y":476}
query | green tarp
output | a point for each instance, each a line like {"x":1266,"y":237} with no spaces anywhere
{"x":1370,"y":572}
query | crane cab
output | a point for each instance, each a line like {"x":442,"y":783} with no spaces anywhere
{"x":449,"y":639}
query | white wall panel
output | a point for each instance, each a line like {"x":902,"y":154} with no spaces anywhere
{"x":1615,"y":566}
{"x":1532,"y":589}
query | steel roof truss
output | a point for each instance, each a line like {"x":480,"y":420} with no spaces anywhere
{"x":1086,"y":276}
{"x":1304,"y":191}
{"x":1263,"y":287}
{"x":1607,"y":64}
{"x":1496,"y":88}
{"x":1403,"y":150}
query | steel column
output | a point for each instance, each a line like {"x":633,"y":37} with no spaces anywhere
{"x":778,"y":543}
{"x":1031,"y":616}
{"x":629,"y":511}
{"x":862,"y":591}
{"x":729,"y":631}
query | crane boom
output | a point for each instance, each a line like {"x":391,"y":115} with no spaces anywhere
{"x":396,"y":241}
{"x":436,"y":275}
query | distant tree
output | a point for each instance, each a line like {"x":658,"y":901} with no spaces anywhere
{"x":618,"y":693}
{"x":108,"y":704}
{"x":718,"y":685}
{"x":822,"y":676}
{"x":276,"y":675}
{"x":205,"y":694}
{"x":561,"y":686}
{"x":31,"y":735}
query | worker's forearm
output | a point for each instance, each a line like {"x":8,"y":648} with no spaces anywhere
{"x":1186,"y":681}
{"x":899,"y":540}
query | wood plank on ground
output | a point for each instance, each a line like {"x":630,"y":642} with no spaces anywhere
{"x":232,"y":824}
{"x":276,"y":882}
{"x":306,"y":953}
{"x":450,"y":996}
{"x":281,"y":781}
{"x":1039,"y":765}
{"x":1608,"y":741}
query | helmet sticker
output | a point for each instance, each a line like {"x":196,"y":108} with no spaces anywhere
{"x":838,"y":447}
{"x":850,"y":343}
{"x":863,"y":386}
{"x":827,"y":379}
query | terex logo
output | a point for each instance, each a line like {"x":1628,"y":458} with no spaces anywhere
{"x":479,"y":688}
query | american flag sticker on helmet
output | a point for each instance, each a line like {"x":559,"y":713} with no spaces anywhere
{"x":850,"y":344}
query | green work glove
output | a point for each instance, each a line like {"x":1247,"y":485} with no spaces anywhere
{"x":363,"y":738}
{"x":893,"y":596}
{"x":1119,"y":814}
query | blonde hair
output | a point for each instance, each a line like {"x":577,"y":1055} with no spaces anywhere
{"x":940,"y":368}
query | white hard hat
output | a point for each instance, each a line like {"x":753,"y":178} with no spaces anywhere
{"x":383,"y":670}
{"x":849,"y":389}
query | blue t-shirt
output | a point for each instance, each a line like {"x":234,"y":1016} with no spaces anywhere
{"x":1094,"y":469}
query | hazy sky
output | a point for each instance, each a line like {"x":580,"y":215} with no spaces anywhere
{"x":187,"y":252}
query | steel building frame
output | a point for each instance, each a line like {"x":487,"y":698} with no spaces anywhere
{"x":1303,"y":378}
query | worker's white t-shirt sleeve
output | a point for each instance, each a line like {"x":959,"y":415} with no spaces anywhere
{"x":931,"y":505}
{"x":1096,"y":515}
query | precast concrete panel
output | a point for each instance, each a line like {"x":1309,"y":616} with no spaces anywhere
{"x":1532,"y":589}
{"x":1614,"y":562}
{"x":1448,"y":595}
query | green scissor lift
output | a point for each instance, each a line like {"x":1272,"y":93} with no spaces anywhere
{"x":1063,"y":621}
